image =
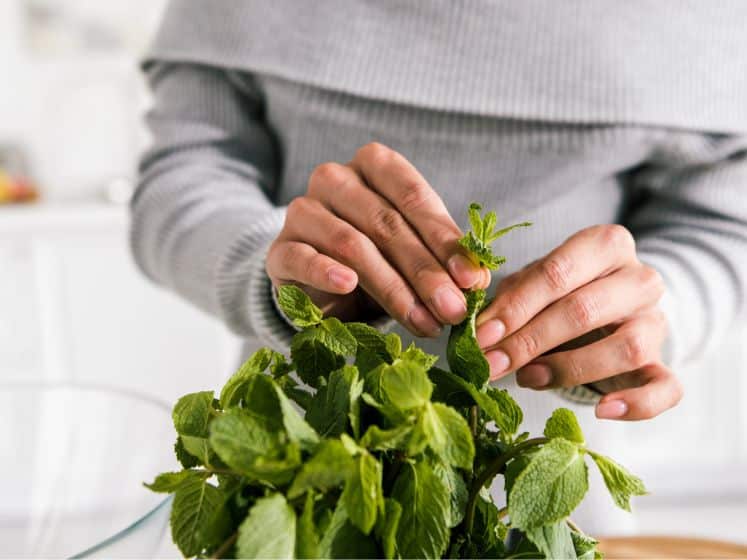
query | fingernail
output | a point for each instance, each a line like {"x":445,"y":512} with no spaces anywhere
{"x":534,"y":376}
{"x":499,"y":363}
{"x":450,"y":304}
{"x":463,"y":271}
{"x":612,"y":409}
{"x":490,"y":332}
{"x":422,"y":319}
{"x":341,"y":278}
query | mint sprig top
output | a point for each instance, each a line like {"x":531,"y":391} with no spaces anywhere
{"x":357,"y":448}
{"x":479,"y":241}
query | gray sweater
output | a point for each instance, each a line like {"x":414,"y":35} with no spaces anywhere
{"x":567,"y":114}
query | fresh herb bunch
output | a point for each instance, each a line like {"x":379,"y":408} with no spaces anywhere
{"x":392,"y":456}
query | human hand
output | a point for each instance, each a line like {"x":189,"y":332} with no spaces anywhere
{"x":585,"y":313}
{"x":372,"y":236}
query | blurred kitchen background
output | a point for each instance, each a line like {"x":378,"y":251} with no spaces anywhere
{"x":73,"y":306}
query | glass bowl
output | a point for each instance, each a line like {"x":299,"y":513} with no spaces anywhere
{"x":73,"y":458}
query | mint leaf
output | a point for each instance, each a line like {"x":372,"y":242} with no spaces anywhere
{"x":416,"y":355}
{"x":307,"y":538}
{"x":372,"y":349}
{"x":196,"y":517}
{"x":298,"y":307}
{"x":376,"y":439}
{"x":185,"y":458}
{"x":621,"y":484}
{"x":296,"y":428}
{"x":448,"y":435}
{"x":488,"y":532}
{"x":585,"y":546}
{"x":170,"y":482}
{"x":269,"y":531}
{"x":386,"y":527}
{"x":234,"y":389}
{"x":464,"y":355}
{"x":550,"y":487}
{"x":423,"y":530}
{"x":330,"y":409}
{"x":363,"y":494}
{"x":191,"y":414}
{"x":457,"y":491}
{"x":319,"y":350}
{"x":563,"y":424}
{"x":554,"y":541}
{"x":478,"y":241}
{"x":326,"y":469}
{"x":405,"y":385}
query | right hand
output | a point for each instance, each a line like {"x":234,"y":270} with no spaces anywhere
{"x":372,"y":236}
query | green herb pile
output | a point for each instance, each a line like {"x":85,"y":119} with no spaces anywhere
{"x":358,"y":448}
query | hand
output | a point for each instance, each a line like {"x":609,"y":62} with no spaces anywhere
{"x":585,"y":313}
{"x":373,"y":236}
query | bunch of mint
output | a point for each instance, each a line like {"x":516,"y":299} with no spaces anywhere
{"x":358,"y":448}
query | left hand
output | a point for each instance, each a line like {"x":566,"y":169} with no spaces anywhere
{"x":594,"y":296}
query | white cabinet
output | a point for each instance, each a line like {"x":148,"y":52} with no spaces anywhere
{"x":74,"y":306}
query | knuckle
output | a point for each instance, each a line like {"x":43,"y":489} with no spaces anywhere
{"x":556,"y":271}
{"x":652,"y":281}
{"x":327,"y":174}
{"x":386,"y":225}
{"x":424,"y":269}
{"x":526,"y":344}
{"x":516,"y":310}
{"x":572,"y":372}
{"x":583,"y":311}
{"x":348,"y":245}
{"x":315,"y":269}
{"x":634,"y":350}
{"x":375,"y":152}
{"x":616,"y":237}
{"x":415,"y":195}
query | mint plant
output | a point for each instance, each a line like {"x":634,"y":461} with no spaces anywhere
{"x":358,"y":448}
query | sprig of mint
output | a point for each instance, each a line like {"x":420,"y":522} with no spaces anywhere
{"x":356,"y":448}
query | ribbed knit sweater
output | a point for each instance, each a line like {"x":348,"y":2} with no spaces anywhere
{"x":567,"y":114}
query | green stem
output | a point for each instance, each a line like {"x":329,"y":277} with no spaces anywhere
{"x":226,"y":546}
{"x":473,"y":415}
{"x":222,"y":471}
{"x":490,"y":472}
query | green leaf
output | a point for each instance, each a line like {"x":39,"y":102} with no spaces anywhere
{"x":554,"y":541}
{"x":478,"y":241}
{"x":464,"y":355}
{"x":296,"y":427}
{"x":386,"y":527}
{"x":585,"y":546}
{"x":449,"y":435}
{"x":416,"y":355}
{"x":248,"y":444}
{"x":169,"y":482}
{"x":307,"y":538}
{"x":191,"y":414}
{"x":372,"y":349}
{"x":197,"y":447}
{"x":423,"y":530}
{"x":475,"y":220}
{"x":363,"y":494}
{"x":563,"y":424}
{"x":319,"y":350}
{"x":197,"y":517}
{"x":496,"y":403}
{"x":269,"y":531}
{"x":342,"y":539}
{"x":621,"y":484}
{"x":515,"y":467}
{"x":550,"y":487}
{"x":185,"y":458}
{"x":331,"y":408}
{"x":405,"y":385}
{"x":457,"y":491}
{"x":327,"y":468}
{"x":488,"y":532}
{"x":505,"y":230}
{"x":235,"y":388}
{"x":376,"y":439}
{"x":298,"y":306}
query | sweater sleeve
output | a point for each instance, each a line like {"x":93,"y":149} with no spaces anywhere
{"x":202,"y":216}
{"x":690,"y":223}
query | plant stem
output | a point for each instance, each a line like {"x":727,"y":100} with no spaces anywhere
{"x":573,"y":526}
{"x":222,"y":471}
{"x":490,"y":472}
{"x":225,"y":547}
{"x":473,"y":415}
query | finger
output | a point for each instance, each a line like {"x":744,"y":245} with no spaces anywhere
{"x":635,"y":344}
{"x":660,"y":390}
{"x":339,"y":240}
{"x":587,"y":255}
{"x":390,"y":174}
{"x":342,"y":191}
{"x":592,"y":306}
{"x":292,"y":261}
